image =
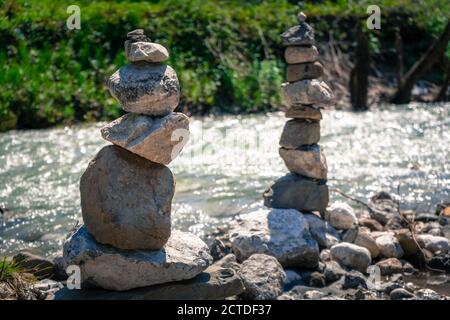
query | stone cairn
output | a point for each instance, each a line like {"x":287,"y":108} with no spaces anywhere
{"x":290,"y":230}
{"x":126,"y":192}
{"x":303,"y":94}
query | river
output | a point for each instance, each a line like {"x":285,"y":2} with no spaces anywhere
{"x":224,"y":169}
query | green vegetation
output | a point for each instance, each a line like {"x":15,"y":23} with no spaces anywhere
{"x":227,"y":53}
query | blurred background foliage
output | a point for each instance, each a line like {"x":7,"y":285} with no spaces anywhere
{"x":227,"y":53}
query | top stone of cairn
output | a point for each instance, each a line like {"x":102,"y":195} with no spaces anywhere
{"x":139,"y":47}
{"x":299,"y":35}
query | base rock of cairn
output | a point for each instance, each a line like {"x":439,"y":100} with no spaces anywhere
{"x":183,"y":257}
{"x":126,"y":200}
{"x":283,"y":234}
{"x":126,"y":191}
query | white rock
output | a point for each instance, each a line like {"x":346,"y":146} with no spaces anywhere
{"x":282,"y":233}
{"x":183,"y":257}
{"x":389,"y":246}
{"x":351,"y":255}
{"x":433,"y":243}
{"x":341,"y":216}
{"x":156,"y":139}
{"x":145,"y":51}
{"x":263,"y":277}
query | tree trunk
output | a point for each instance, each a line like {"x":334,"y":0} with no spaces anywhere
{"x":442,"y":95}
{"x":403,"y":94}
{"x":399,"y":50}
{"x":359,"y":76}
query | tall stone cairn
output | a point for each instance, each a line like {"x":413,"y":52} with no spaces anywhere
{"x":304,"y":188}
{"x":126,"y":192}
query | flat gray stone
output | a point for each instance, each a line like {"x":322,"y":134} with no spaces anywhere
{"x":309,"y":92}
{"x":283,"y":234}
{"x":156,"y":139}
{"x":309,"y":162}
{"x":296,"y":72}
{"x":297,"y":133}
{"x":299,"y":54}
{"x":304,"y":112}
{"x":295,"y":192}
{"x":212,"y":284}
{"x":144,"y":88}
{"x":126,"y":200}
{"x":183,"y":257}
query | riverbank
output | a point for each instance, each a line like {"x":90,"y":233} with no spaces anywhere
{"x":227,"y":54}
{"x":409,"y":254}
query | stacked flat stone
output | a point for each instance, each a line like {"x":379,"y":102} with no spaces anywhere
{"x":126,"y":192}
{"x":304,"y":95}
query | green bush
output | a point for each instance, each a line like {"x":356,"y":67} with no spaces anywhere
{"x":227,"y":53}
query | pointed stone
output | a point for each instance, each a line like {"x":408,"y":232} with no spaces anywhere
{"x":300,"y":35}
{"x":137,"y":35}
{"x":156,"y":139}
{"x":183,"y":257}
{"x":309,"y":162}
{"x":146,"y":88}
{"x":304,"y":112}
{"x":295,"y":192}
{"x":298,"y":54}
{"x":298,"y":133}
{"x":126,"y":200}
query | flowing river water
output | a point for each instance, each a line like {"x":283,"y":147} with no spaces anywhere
{"x":225,"y":167}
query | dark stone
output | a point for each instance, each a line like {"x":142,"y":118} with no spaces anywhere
{"x":333,"y":272}
{"x":137,"y":35}
{"x":299,"y":35}
{"x":213,"y":283}
{"x":426,"y":217}
{"x":218,"y":250}
{"x":295,"y":192}
{"x":382,"y":195}
{"x":354,"y":280}
{"x":440,"y":262}
{"x":420,"y":259}
{"x":400,"y":294}
{"x":317,"y":279}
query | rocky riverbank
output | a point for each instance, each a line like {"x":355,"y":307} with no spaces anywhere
{"x":368,"y":254}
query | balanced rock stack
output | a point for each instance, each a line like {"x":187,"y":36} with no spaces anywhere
{"x":303,"y":94}
{"x":126,"y":192}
